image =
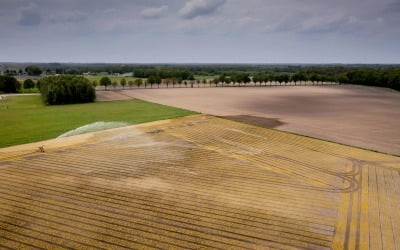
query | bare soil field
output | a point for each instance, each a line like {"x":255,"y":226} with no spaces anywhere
{"x":197,"y":182}
{"x":355,"y":115}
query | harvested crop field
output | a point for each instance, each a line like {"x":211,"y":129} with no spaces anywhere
{"x":197,"y":182}
{"x":354,"y":115}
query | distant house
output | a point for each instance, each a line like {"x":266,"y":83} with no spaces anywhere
{"x":11,"y":71}
{"x":103,"y":73}
{"x":129,"y":74}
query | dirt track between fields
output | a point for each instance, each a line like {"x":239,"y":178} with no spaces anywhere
{"x":354,"y":115}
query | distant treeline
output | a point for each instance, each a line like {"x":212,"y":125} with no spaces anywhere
{"x":388,"y":78}
{"x":195,"y":69}
{"x":370,"y":75}
{"x":164,"y":74}
{"x":236,"y":77}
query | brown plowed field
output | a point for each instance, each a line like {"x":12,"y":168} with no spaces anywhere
{"x":197,"y":182}
{"x":359,"y":116}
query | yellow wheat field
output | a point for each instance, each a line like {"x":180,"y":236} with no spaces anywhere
{"x":198,"y":182}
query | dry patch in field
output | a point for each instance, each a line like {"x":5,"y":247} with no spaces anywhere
{"x":111,"y":95}
{"x":197,"y":182}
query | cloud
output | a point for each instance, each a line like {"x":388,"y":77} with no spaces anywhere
{"x":304,"y":22}
{"x":28,"y":13}
{"x":245,"y":21}
{"x":200,"y":29}
{"x":153,"y":13}
{"x":327,"y":23}
{"x":195,"y":8}
{"x":69,"y":16}
{"x":392,"y":10}
{"x":380,"y":20}
{"x":29,"y":18}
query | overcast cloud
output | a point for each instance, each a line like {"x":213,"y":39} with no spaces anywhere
{"x":154,"y":12}
{"x":200,"y":31}
{"x":196,"y":8}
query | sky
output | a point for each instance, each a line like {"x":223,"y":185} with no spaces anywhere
{"x":200,"y":31}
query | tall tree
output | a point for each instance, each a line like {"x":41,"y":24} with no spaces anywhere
{"x":105,"y":81}
{"x":130,"y":83}
{"x":33,"y":70}
{"x":95,"y":83}
{"x":123,"y":83}
{"x":114,"y":84}
{"x":139,"y":82}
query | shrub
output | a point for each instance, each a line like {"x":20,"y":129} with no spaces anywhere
{"x":9,"y":84}
{"x":66,"y":90}
{"x":28,"y":84}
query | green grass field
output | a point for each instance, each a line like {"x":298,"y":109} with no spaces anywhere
{"x":32,"y":90}
{"x":202,"y":77}
{"x":112,"y":78}
{"x":25,"y":119}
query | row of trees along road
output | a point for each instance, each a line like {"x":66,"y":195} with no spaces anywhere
{"x":389,"y":78}
{"x":155,"y":79}
{"x":384,"y":77}
{"x":297,"y":77}
{"x":242,"y":78}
